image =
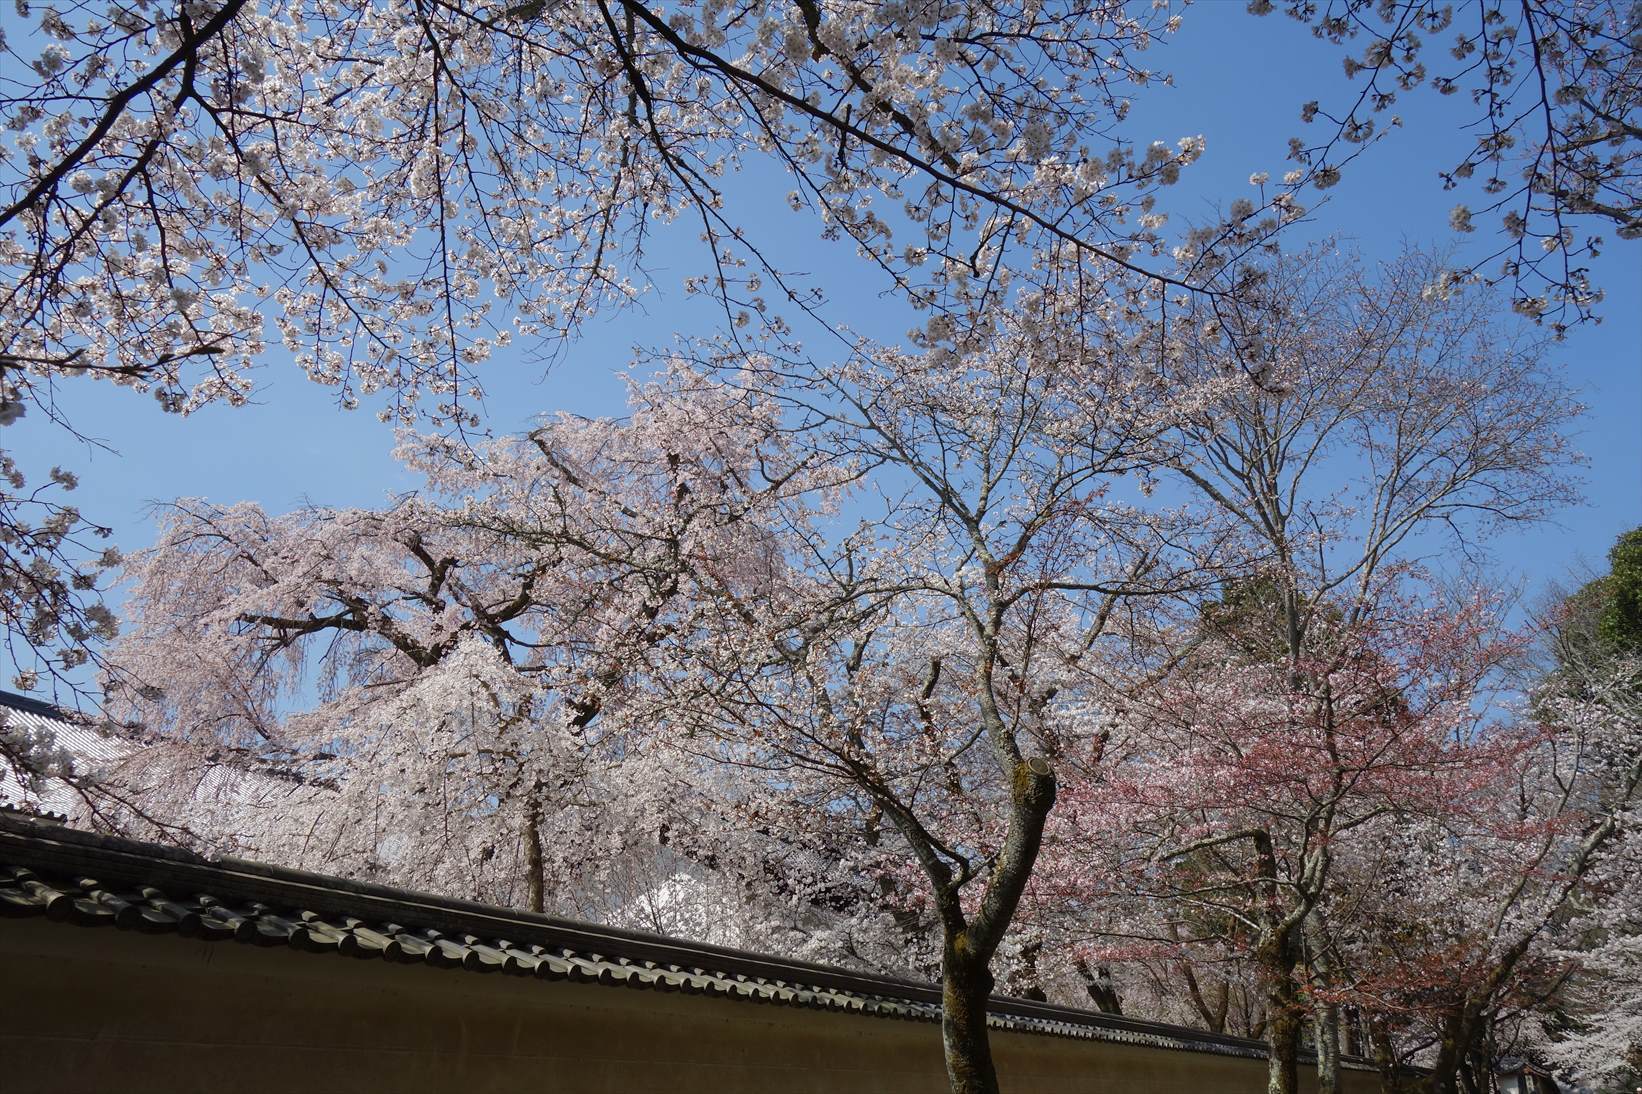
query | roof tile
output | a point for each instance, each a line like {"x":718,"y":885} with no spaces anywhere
{"x":147,"y":888}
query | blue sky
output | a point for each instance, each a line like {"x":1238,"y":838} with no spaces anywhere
{"x":1239,"y":81}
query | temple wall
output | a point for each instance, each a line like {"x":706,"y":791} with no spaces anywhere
{"x":88,"y":1010}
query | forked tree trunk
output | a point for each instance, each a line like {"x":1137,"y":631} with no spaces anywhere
{"x":1098,"y":983}
{"x":970,"y":942}
{"x":1461,"y":1029}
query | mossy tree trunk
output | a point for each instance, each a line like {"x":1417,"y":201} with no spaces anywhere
{"x":971,"y":940}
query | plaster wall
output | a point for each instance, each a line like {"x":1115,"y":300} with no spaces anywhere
{"x":88,"y":1011}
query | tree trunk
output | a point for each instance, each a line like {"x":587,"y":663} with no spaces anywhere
{"x":535,"y":872}
{"x":1285,"y":1014}
{"x":1283,"y":1026}
{"x":1468,"y":1078}
{"x":1098,"y":983}
{"x":1482,"y":1063}
{"x":966,"y":985}
{"x":969,"y":944}
{"x":1385,"y":1057}
{"x":1328,"y":1049}
{"x":1383,"y":1049}
{"x":1459,"y":1032}
{"x":1214,"y":1017}
{"x":1325,"y":1015}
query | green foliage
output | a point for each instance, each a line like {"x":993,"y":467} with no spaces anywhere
{"x":1619,"y":625}
{"x":1249,"y":617}
{"x":1603,"y":619}
{"x":1253,"y":617}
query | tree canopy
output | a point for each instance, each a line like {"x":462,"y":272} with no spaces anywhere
{"x":1086,"y":639}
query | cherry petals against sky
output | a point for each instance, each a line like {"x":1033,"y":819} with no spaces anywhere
{"x":1238,"y":81}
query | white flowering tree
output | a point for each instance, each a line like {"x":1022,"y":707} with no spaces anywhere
{"x":926,"y":661}
{"x":1599,"y":1036}
{"x":369,"y":177}
{"x":1596,"y":688}
{"x":1554,"y":155}
{"x":51,"y":560}
{"x":470,"y":646}
{"x":391,"y":193}
{"x":795,"y":615}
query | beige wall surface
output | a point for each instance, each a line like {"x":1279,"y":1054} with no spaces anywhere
{"x":95,"y":1010}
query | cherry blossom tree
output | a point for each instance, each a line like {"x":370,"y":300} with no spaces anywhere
{"x":1383,"y":406}
{"x":457,"y":691}
{"x":1242,"y":777}
{"x":1593,"y":691}
{"x":1492,"y":918}
{"x":872,"y":591}
{"x":478,"y":638}
{"x":1599,"y":1039}
{"x":1555,"y":151}
{"x":394,"y":194}
{"x":51,"y":561}
{"x":1495,"y":917}
{"x":365,"y":177}
{"x":874,"y":612}
{"x":1500,"y":922}
{"x":1513,"y":924}
{"x":918,"y":663}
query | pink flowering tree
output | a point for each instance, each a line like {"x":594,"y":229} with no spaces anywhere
{"x":1386,"y":408}
{"x":1243,"y":777}
{"x":1506,"y":926}
{"x":1509,"y":928}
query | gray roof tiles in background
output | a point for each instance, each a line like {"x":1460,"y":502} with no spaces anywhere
{"x":84,"y":741}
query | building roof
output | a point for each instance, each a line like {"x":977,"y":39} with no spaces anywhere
{"x":89,"y":745}
{"x":49,"y":870}
{"x":100,"y":750}
{"x":73,"y":730}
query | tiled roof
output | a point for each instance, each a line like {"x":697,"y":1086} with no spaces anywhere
{"x":74,"y":733}
{"x":100,"y":749}
{"x":81,"y":878}
{"x":34,"y":713}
